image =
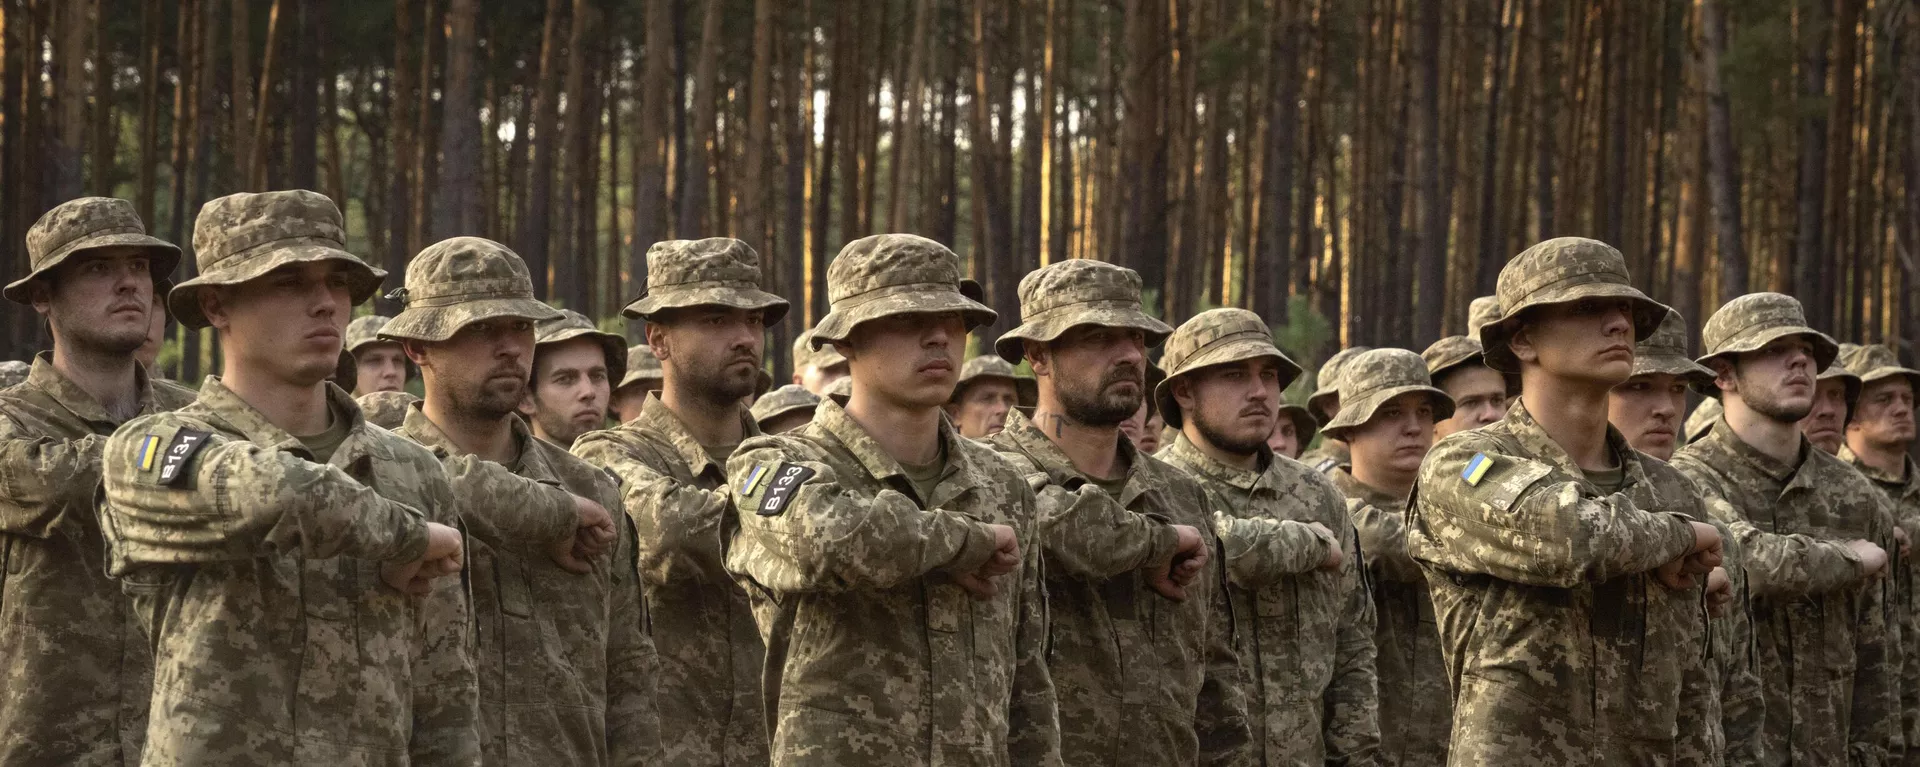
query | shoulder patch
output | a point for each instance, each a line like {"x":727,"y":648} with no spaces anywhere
{"x":783,"y":483}
{"x":173,"y":461}
{"x":1476,"y":469}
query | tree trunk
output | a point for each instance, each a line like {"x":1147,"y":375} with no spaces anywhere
{"x":535,"y":228}
{"x":650,"y":210}
{"x":305,"y":84}
{"x":693,"y":201}
{"x":1431,"y":238}
{"x":1723,"y":168}
{"x":1812,"y":263}
{"x":456,"y":210}
{"x":758,"y":190}
{"x":400,"y":128}
{"x":570,"y":264}
{"x":1144,"y":154}
{"x":70,"y":44}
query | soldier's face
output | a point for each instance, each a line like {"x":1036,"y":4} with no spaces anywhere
{"x":379,"y":367}
{"x":483,"y":370}
{"x":627,"y":400}
{"x":1587,"y":340}
{"x":288,"y":322}
{"x":1647,"y":410}
{"x":570,"y":390}
{"x":983,"y":407}
{"x":816,"y":379}
{"x":1884,"y":416}
{"x":1096,"y":375}
{"x":149,"y":351}
{"x":1776,"y":380}
{"x":1479,"y":398}
{"x":100,"y":300}
{"x":1826,"y":423}
{"x":912,"y":361}
{"x":1397,"y":437}
{"x":1234,"y":406}
{"x":1285,"y":440}
{"x":710,"y":351}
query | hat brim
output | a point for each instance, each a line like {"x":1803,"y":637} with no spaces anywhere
{"x":636,"y":376}
{"x":1318,"y":402}
{"x":839,"y":323}
{"x":1305,"y":427}
{"x":184,"y":300}
{"x":1825,"y":350}
{"x":794,"y":407}
{"x":1045,"y":329}
{"x":1026,"y":390}
{"x":1647,"y":316}
{"x":1695,"y":374}
{"x":434,"y":324}
{"x":1881,"y":374}
{"x":1224,"y":354}
{"x":1358,"y":412}
{"x":615,"y":347}
{"x":162,"y":258}
{"x":650,"y":305}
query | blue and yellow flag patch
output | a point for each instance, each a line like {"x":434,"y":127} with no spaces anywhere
{"x":149,"y":448}
{"x":1476,"y":469}
{"x":752,"y":481}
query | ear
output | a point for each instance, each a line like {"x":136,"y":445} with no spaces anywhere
{"x":1724,"y":375}
{"x":953,"y":409}
{"x":40,"y":294}
{"x":213,"y":307}
{"x":416,"y":352}
{"x":1038,"y":358}
{"x":1521,"y":343}
{"x":657,"y":340}
{"x":1183,"y":394}
{"x":844,"y":348}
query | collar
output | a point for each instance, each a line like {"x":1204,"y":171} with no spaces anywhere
{"x":660,"y":420}
{"x":1028,"y":439}
{"x":1535,"y":441}
{"x":1352,"y":487}
{"x":228,"y":410}
{"x":48,"y":380}
{"x":1195,"y":460}
{"x":1908,"y":485}
{"x":532,"y":463}
{"x":830,"y":419}
{"x":1732,"y":446}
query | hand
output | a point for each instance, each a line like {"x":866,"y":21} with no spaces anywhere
{"x":1005,"y":559}
{"x":591,"y":538}
{"x":442,"y":558}
{"x":1719,"y":592}
{"x":1700,"y":559}
{"x":1335,"y":555}
{"x":1901,"y":537}
{"x":1873,"y":559}
{"x":1170,"y":578}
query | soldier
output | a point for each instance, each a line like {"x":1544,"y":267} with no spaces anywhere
{"x":904,"y":624}
{"x":1292,"y":430}
{"x":149,"y":351}
{"x":386,"y":409}
{"x":378,"y":364}
{"x":566,"y":671}
{"x":1479,"y":393}
{"x":1481,"y":312}
{"x":1126,"y":537}
{"x":1834,"y":392}
{"x":816,"y":368}
{"x":285,"y":557}
{"x":1388,"y":415}
{"x":1304,"y":624}
{"x":1827,"y":662}
{"x":706,"y":324}
{"x":1146,"y":428}
{"x":1324,"y":403}
{"x":989,"y":389}
{"x":74,"y":666}
{"x":1562,"y":564}
{"x":784,"y":409}
{"x":574,"y":365}
{"x":12,"y":372}
{"x":643,"y":379}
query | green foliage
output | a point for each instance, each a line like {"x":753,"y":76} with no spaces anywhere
{"x":1306,"y":337}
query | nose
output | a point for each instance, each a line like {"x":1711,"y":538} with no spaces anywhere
{"x":1619,"y":320}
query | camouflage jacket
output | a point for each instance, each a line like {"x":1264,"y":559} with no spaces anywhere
{"x":1828,"y":661}
{"x":1305,"y":635}
{"x":1141,"y":679}
{"x":1904,"y":492}
{"x":1330,"y":455}
{"x":874,"y":656}
{"x":1561,"y":646}
{"x":257,"y":575}
{"x":710,"y":653}
{"x":566,"y":668}
{"x":75,"y":669}
{"x":1418,"y":711}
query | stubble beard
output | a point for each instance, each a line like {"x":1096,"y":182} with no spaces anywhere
{"x":1095,"y":407}
{"x":1219,"y":438}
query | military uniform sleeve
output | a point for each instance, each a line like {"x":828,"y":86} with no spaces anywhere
{"x":633,"y":715}
{"x":1221,"y":718}
{"x":520,"y":515}
{"x":681,"y":523}
{"x":1876,"y":723}
{"x":1743,"y":706}
{"x":1517,"y":523}
{"x":1088,"y":534}
{"x":1383,"y":539}
{"x":818,"y":537}
{"x":1353,"y":696}
{"x":238,"y":500}
{"x":1033,"y":716}
{"x":41,"y":477}
{"x":446,"y":689}
{"x":1262,"y":550}
{"x":1779,"y":565}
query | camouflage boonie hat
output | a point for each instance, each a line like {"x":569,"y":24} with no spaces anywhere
{"x":460,"y":281}
{"x":365,"y":330}
{"x":12,"y":372}
{"x":1025,"y":388}
{"x":1216,"y":337}
{"x":241,"y":237}
{"x":1377,"y":376}
{"x":1754,"y":320}
{"x":782,"y":401}
{"x":1078,"y":291}
{"x":716,"y":271}
{"x":1305,"y":426}
{"x":888,"y":274}
{"x":1846,"y":375}
{"x":824,"y":357}
{"x":1561,"y":271}
{"x":1874,"y":362}
{"x":571,"y":325}
{"x":1666,"y":352}
{"x":89,"y":223}
{"x":386,"y":409}
{"x":1327,"y":382}
{"x":1481,"y":312}
{"x":641,"y":366}
{"x":840,"y":390}
{"x":1702,"y":419}
{"x":1449,"y":353}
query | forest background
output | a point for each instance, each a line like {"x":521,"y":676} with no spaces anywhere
{"x":1354,"y":170}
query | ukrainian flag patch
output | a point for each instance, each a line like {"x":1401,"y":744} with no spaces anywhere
{"x":1476,"y":469}
{"x":748,"y":485}
{"x":149,"y":448}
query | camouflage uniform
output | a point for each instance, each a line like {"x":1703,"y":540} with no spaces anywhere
{"x":566,"y":669}
{"x":711,"y":654}
{"x":12,"y":372}
{"x":641,"y":366}
{"x":1828,"y":660}
{"x":570,"y":325}
{"x":256,"y":570}
{"x":804,"y":353}
{"x":386,"y":409}
{"x":1701,"y":420}
{"x":1419,"y":714}
{"x":1304,"y":635}
{"x":782,"y":401}
{"x":1329,"y":455}
{"x":1480,"y":312}
{"x":1561,"y":646}
{"x":363,"y":331}
{"x":1026,"y":390}
{"x":875,"y":657}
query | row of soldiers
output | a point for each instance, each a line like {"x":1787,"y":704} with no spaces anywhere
{"x":904,"y":558}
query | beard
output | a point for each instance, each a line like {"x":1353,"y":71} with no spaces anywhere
{"x":717,"y":383}
{"x":1769,"y":403}
{"x":491,"y":399}
{"x":1094,"y":406}
{"x":107,"y":341}
{"x":558,"y":426}
{"x":1219,"y":437}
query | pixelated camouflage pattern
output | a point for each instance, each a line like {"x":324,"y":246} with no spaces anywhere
{"x":1375,"y":377}
{"x":12,"y":372}
{"x":1561,"y":646}
{"x":1481,"y":311}
{"x":702,"y":625}
{"x":1449,"y":353}
{"x":258,"y":579}
{"x":1416,"y":709}
{"x":874,"y":656}
{"x":1558,"y":271}
{"x":1828,"y":661}
{"x":1702,"y":418}
{"x":1903,"y":491}
{"x":566,"y":668}
{"x":571,"y":325}
{"x":782,"y":401}
{"x":641,"y":366}
{"x":1873,"y":362}
{"x":364,"y":330}
{"x":1078,"y":291}
{"x":1331,"y":454}
{"x":386,"y":409}
{"x":840,"y":390}
{"x":1754,"y":320}
{"x":1847,"y":378}
{"x":716,"y":271}
{"x":887,"y":274}
{"x":1666,"y":352}
{"x":1026,"y":389}
{"x":75,"y":666}
{"x":243,"y":236}
{"x":1216,"y":337}
{"x":1326,"y":382}
{"x":459,"y":281}
{"x":824,"y":357}
{"x":1304,"y":635}
{"x":86,"y":224}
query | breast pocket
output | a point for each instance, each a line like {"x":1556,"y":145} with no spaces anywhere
{"x":1296,"y":624}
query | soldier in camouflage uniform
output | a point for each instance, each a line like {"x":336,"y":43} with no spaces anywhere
{"x":286,"y":558}
{"x":989,"y":389}
{"x":1389,"y":410}
{"x":904,"y":621}
{"x":566,"y":669}
{"x":706,"y":318}
{"x":574,"y":366}
{"x":1304,"y":625}
{"x":816,"y":368}
{"x":1323,"y":404}
{"x":1828,"y":661}
{"x":75,"y":668}
{"x":386,"y":409}
{"x":784,"y":409}
{"x":378,"y":364}
{"x":1480,"y":312}
{"x":1142,"y":640}
{"x":1834,"y":392}
{"x":1563,"y":565}
{"x":643,"y":379}
{"x":1291,"y":431}
{"x":1479,"y":393}
{"x":12,"y":372}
